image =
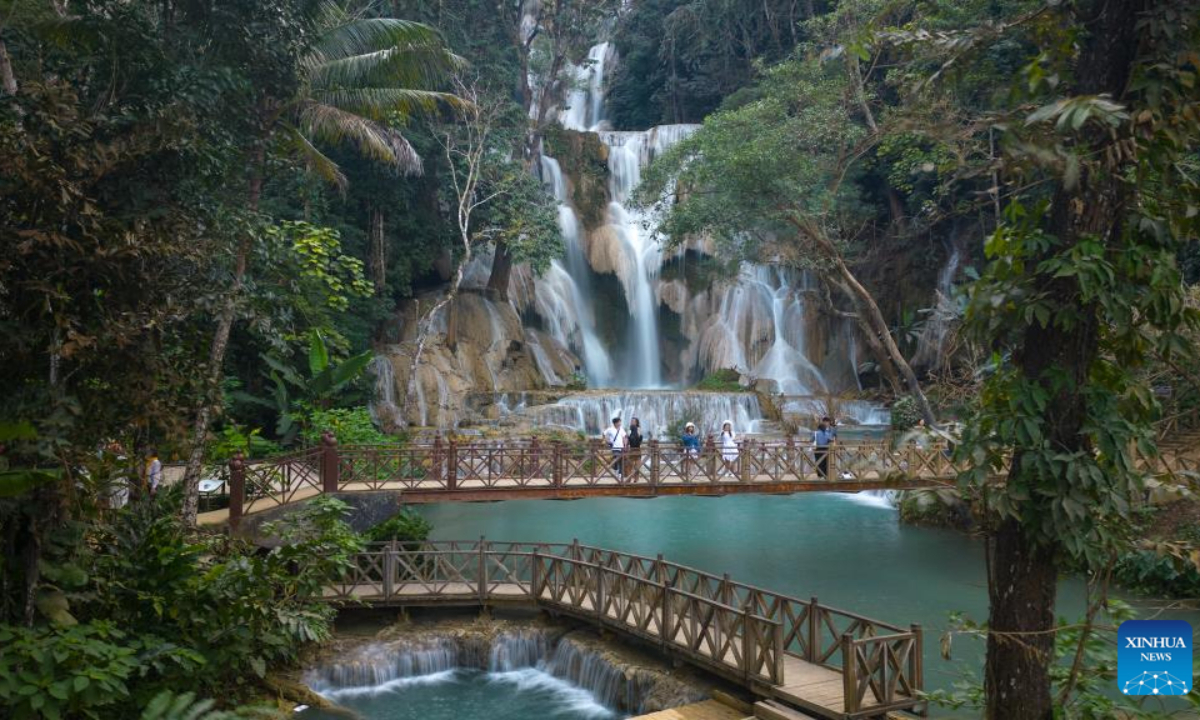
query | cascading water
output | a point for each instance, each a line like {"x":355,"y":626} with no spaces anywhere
{"x":563,"y":293}
{"x":464,"y":675}
{"x":592,"y":412}
{"x":382,"y":406}
{"x":932,"y":341}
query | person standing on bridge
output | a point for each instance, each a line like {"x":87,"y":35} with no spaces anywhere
{"x":633,"y":459}
{"x":729,"y":447}
{"x":823,"y":436}
{"x":617,"y":440}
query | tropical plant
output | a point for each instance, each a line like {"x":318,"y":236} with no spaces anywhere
{"x":357,"y":79}
{"x":406,"y":526}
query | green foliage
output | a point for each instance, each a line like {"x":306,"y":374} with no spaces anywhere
{"x":168,"y":705}
{"x":351,"y":426}
{"x":406,"y":526}
{"x":904,"y":413}
{"x":1147,"y":572}
{"x":721,"y":381}
{"x":578,"y":381}
{"x":1093,"y":697}
{"x":233,"y":439}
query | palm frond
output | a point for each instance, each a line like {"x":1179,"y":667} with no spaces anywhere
{"x":355,"y":36}
{"x":378,"y":103}
{"x":417,"y":67}
{"x":319,"y":121}
{"x":317,"y":161}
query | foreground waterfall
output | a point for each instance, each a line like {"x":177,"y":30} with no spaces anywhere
{"x":538,"y":658}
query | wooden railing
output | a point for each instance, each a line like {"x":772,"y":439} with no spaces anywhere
{"x":738,"y":630}
{"x":515,"y":467}
{"x":441,"y":471}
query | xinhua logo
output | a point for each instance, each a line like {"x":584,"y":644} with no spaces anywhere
{"x":1155,"y":657}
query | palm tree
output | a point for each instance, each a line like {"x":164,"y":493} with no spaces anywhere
{"x":360,"y":78}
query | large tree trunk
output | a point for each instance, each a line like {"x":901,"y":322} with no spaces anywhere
{"x":1022,"y":583}
{"x":501,"y":272}
{"x":1021,"y":590}
{"x":216,"y":353}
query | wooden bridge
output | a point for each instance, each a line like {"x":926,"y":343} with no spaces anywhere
{"x":824,"y":661}
{"x":532,"y":469}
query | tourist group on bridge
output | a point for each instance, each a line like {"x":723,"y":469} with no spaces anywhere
{"x":626,"y":444}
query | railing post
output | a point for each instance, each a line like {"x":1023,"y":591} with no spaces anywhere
{"x":237,"y":490}
{"x":329,"y":462}
{"x":435,"y":463}
{"x":558,"y":448}
{"x":482,"y":570}
{"x":814,"y":631}
{"x":747,"y":446}
{"x":849,"y":674}
{"x":710,"y":447}
{"x":452,"y":464}
{"x":917,"y":661}
{"x":654,"y":465}
{"x":534,"y":451}
{"x":389,"y":570}
{"x":791,"y":460}
{"x":777,"y":632}
{"x":599,"y":571}
{"x":535,"y":576}
{"x":666,"y":632}
{"x":748,"y":645}
{"x":596,"y":452}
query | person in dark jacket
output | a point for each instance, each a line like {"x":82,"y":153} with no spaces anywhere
{"x":633,"y":452}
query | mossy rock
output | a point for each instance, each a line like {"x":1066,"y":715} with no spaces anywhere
{"x":583,"y":159}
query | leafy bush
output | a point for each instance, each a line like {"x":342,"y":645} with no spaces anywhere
{"x":405,"y":526}
{"x":1147,"y":572}
{"x":233,"y":439}
{"x":721,"y":381}
{"x":905,"y":413}
{"x":351,"y":426}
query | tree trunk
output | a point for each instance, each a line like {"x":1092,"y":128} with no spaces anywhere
{"x":875,"y":321}
{"x":1022,"y":583}
{"x":216,"y":354}
{"x":378,"y":259}
{"x":501,"y":272}
{"x":1021,"y":590}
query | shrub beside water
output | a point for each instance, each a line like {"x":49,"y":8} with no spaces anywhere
{"x":721,"y":381}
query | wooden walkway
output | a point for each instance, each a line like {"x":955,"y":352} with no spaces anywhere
{"x":706,"y":710}
{"x":529,"y":469}
{"x":826,"y":662}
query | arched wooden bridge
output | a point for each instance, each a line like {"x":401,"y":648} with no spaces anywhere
{"x":532,"y":469}
{"x":827,"y":662}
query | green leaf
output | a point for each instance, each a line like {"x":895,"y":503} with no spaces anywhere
{"x":318,"y":353}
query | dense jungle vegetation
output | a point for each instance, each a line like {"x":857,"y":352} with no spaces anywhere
{"x":210,"y":211}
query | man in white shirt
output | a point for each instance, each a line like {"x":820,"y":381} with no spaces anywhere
{"x":617,"y":440}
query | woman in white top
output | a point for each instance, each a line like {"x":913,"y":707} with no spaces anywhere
{"x":729,"y":447}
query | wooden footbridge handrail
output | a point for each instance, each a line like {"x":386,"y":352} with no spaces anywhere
{"x":533,"y":469}
{"x":827,"y":661}
{"x":444,"y":471}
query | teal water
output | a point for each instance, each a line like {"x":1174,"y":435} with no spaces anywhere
{"x":526,"y":694}
{"x":848,"y":550}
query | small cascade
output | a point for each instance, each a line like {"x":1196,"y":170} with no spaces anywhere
{"x":514,"y":650}
{"x":932,"y":342}
{"x":656,"y":411}
{"x":846,"y":412}
{"x":590,"y":670}
{"x":376,"y":665}
{"x":585,"y":103}
{"x":531,"y":658}
{"x":382,"y":405}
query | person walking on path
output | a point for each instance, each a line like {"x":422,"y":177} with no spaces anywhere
{"x":823,"y":436}
{"x":617,"y":440}
{"x":729,"y":447}
{"x":633,"y":459}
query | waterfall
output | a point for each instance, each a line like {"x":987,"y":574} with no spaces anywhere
{"x":585,"y":103}
{"x":588,"y":669}
{"x":564,"y":293}
{"x":382,"y":405}
{"x":656,"y":411}
{"x":510,"y":656}
{"x":932,"y":341}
